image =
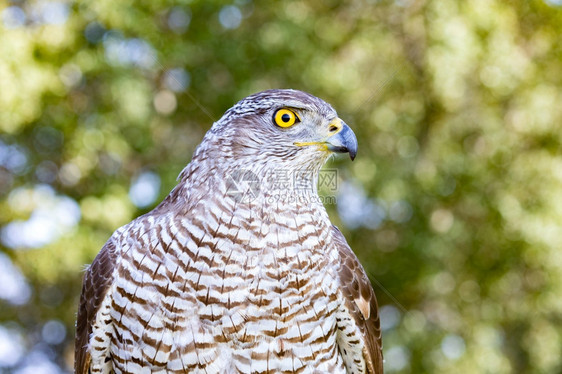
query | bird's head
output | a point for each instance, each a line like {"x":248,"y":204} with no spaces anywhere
{"x":266,"y":138}
{"x":284,"y":128}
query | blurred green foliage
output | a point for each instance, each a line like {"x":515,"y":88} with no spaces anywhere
{"x":458,"y":111}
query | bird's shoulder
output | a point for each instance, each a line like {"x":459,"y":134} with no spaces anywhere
{"x":96,"y":281}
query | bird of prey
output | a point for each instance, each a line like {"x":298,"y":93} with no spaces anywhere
{"x":239,"y":269}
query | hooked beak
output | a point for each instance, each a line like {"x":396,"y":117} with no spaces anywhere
{"x":343,"y":141}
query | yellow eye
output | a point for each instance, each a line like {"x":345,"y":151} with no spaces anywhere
{"x":285,"y":118}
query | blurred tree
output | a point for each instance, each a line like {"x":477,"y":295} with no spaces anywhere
{"x":454,"y":203}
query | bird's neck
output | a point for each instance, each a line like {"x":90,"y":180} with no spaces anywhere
{"x":272,"y":203}
{"x":269,"y":182}
{"x":255,"y":185}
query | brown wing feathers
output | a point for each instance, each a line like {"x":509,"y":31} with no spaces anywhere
{"x":362,"y":303}
{"x":96,"y":282}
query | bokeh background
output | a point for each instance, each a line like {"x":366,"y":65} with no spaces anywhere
{"x":453,"y":205}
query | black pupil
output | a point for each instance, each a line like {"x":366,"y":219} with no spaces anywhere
{"x":285,"y":117}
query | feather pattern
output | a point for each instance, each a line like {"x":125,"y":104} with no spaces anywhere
{"x":231,"y":273}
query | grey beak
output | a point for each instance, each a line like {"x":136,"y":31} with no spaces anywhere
{"x":343,"y":141}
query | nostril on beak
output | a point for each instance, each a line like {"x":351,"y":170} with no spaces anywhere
{"x":335,"y":126}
